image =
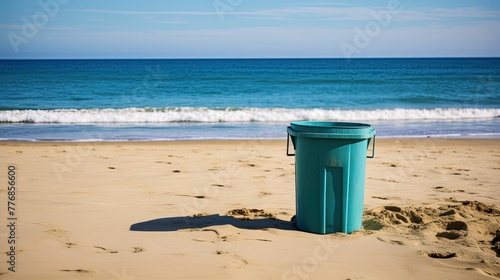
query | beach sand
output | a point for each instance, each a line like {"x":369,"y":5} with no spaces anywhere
{"x":222,"y":210}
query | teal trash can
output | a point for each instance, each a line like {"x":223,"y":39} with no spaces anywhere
{"x":330,"y":164}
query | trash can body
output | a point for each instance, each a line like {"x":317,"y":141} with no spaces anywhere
{"x":330,"y":164}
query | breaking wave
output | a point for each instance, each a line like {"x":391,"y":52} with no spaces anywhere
{"x":196,"y":114}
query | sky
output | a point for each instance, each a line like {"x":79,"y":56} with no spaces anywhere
{"x":62,"y":29}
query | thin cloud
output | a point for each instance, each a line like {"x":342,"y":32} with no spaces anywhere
{"x":283,"y":13}
{"x":123,"y":12}
{"x":19,"y":26}
{"x":324,"y":11}
{"x":446,"y":14}
{"x":169,"y":21}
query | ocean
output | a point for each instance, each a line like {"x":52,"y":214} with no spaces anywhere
{"x":172,"y":99}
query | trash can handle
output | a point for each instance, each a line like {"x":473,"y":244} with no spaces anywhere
{"x":290,"y":154}
{"x":373,"y":148}
{"x":288,"y":145}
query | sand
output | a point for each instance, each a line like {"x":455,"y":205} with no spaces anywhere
{"x":222,"y":210}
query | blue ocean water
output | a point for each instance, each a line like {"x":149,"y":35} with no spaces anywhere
{"x":168,"y":99}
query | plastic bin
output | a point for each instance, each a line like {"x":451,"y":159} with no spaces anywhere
{"x":330,"y":164}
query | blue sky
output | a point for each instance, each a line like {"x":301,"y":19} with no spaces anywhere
{"x":248,"y":28}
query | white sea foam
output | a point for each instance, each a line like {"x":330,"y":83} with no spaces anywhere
{"x":191,"y":114}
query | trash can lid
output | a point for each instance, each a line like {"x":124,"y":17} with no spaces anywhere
{"x":331,"y":130}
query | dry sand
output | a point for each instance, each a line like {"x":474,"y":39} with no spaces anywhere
{"x":221,"y":210}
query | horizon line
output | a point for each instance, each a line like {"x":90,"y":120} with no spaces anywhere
{"x":241,"y":58}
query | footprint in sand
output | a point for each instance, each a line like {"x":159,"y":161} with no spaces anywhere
{"x":61,"y":236}
{"x":437,"y":255}
{"x":446,"y":190}
{"x":195,"y":196}
{"x":261,"y":194}
{"x":137,"y":249}
{"x":166,"y":162}
{"x":456,"y":171}
{"x":250,"y":214}
{"x":446,"y":227}
{"x":77,"y":270}
{"x":389,"y":180}
{"x":392,"y":215}
{"x":230,"y":237}
{"x":457,"y":225}
{"x":105,"y":250}
{"x":454,"y":230}
{"x":393,"y":208}
{"x":392,"y":241}
{"x":448,"y":213}
{"x":442,"y":189}
{"x":238,"y":261}
{"x":496,"y":243}
{"x":452,"y":234}
{"x":386,"y":198}
{"x":457,"y":174}
{"x":261,"y":239}
{"x":201,"y":240}
{"x":220,"y":186}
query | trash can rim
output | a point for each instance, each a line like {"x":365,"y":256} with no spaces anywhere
{"x":331,"y":124}
{"x":331,"y":130}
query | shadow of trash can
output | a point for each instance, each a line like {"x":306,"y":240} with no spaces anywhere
{"x":330,"y":165}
